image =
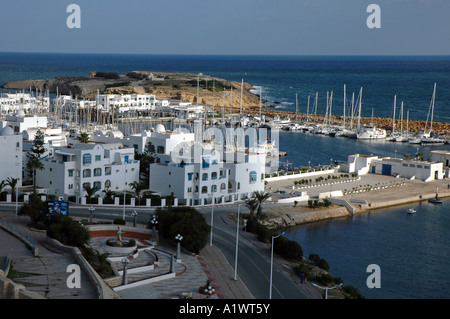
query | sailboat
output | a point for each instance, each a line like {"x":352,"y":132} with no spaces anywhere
{"x":401,"y":138}
{"x":432,"y":139}
{"x":369,"y":132}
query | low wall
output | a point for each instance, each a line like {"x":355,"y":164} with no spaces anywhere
{"x":300,"y":175}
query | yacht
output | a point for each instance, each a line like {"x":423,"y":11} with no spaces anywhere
{"x":370,"y":132}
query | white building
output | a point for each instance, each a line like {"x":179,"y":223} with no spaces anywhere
{"x":107,"y":166}
{"x":12,"y":158}
{"x":14,"y":102}
{"x":21,"y":122}
{"x":411,"y":169}
{"x":441,"y":156}
{"x":126,"y":103}
{"x":198,"y":172}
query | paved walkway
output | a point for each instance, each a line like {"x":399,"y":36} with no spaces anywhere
{"x":47,"y":274}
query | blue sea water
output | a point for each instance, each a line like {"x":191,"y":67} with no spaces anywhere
{"x":411,"y":250}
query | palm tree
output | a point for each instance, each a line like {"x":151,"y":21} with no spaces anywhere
{"x":84,"y":138}
{"x":90,"y":192}
{"x":109,"y":195}
{"x":260,"y":197}
{"x":33,"y":165}
{"x":12,"y":182}
{"x":252,"y":205}
{"x":138,"y":188}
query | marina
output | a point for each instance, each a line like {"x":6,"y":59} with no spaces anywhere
{"x":313,"y":136}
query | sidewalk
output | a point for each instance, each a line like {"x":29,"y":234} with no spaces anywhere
{"x":46,"y":274}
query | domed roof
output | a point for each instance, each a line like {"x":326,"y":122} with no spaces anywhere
{"x":20,"y":113}
{"x":7,"y":130}
{"x":160,"y":128}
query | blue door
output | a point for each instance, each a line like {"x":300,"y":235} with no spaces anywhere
{"x":386,"y":169}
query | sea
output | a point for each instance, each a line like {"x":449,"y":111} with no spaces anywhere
{"x":411,"y":251}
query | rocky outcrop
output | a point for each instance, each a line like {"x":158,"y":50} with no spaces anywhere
{"x":183,"y":86}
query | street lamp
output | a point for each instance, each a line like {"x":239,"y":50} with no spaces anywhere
{"x":237,"y":243}
{"x":124,"y":189}
{"x":91,"y":211}
{"x":17,"y":184}
{"x":125,"y":262}
{"x":271,"y":264}
{"x":134,"y":214}
{"x":178,"y":238}
{"x":325,"y":288}
{"x":212,"y":219}
{"x":154,"y":222}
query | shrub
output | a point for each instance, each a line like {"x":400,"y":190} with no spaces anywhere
{"x":68,"y":231}
{"x":319,"y":262}
{"x":188,"y":222}
{"x":118,"y":221}
{"x":288,"y":248}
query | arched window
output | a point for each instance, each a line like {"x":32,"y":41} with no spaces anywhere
{"x":86,"y":173}
{"x":204,"y":189}
{"x":107,"y":183}
{"x":223,"y":186}
{"x":214,"y":175}
{"x":204,"y":176}
{"x":98,"y":185}
{"x":87,"y":159}
{"x":97,"y":172}
{"x":213,"y":188}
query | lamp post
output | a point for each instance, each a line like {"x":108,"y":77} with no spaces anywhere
{"x":17,"y":186}
{"x":325,"y":288}
{"x":237,"y":243}
{"x":212,"y":219}
{"x":134,"y":214}
{"x":271,"y":264}
{"x":125,"y":262}
{"x":91,"y":211}
{"x":178,"y":238}
{"x":124,"y":190}
{"x":154,"y":222}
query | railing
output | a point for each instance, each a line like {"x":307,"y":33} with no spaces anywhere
{"x":19,"y":233}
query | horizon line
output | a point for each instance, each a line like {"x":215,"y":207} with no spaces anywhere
{"x":233,"y":54}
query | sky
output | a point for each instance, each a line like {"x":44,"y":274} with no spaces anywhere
{"x":229,"y":27}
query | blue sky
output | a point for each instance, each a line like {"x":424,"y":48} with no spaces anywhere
{"x":298,"y":27}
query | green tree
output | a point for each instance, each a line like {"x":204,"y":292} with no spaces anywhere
{"x":147,"y":157}
{"x":109,"y":196}
{"x":68,"y":231}
{"x":188,"y":222}
{"x":38,"y":149}
{"x":261,"y":197}
{"x":90,"y":192}
{"x":252,"y":205}
{"x":84,"y":138}
{"x":12,"y":182}
{"x":34,"y":208}
{"x":33,"y":165}
{"x":138,"y":188}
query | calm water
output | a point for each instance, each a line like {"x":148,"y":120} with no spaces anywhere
{"x":411,"y":250}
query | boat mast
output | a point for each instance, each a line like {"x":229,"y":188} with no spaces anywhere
{"x":393,"y":116}
{"x":344,"y":103}
{"x":432,"y":109}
